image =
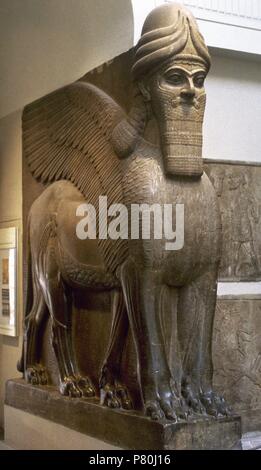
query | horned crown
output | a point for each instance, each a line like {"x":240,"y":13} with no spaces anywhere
{"x":169,"y":31}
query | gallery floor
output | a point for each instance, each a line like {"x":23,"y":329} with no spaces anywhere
{"x":250,"y":441}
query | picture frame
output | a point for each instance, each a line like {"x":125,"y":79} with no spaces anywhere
{"x":8,"y":281}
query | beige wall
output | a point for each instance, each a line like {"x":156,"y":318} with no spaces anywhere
{"x":66,"y":37}
{"x":10,"y":214}
{"x":10,"y":168}
{"x":233,"y":114}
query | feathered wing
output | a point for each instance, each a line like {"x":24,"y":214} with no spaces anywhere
{"x":67,"y":135}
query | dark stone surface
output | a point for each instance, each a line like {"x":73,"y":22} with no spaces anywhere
{"x":127,"y":430}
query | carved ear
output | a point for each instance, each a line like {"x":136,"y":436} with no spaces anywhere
{"x":144,"y":89}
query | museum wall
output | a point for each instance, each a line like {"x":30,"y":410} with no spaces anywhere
{"x":233,"y":114}
{"x":65,"y":37}
{"x":10,"y":215}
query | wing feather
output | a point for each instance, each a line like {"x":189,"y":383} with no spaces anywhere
{"x":67,"y":135}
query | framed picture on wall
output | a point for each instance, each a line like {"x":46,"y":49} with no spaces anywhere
{"x":8,"y":280}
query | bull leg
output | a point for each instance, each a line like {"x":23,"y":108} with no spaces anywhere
{"x":141,"y":291}
{"x":59,"y":305}
{"x":113,"y":393}
{"x":196,"y":310}
{"x":34,"y":372}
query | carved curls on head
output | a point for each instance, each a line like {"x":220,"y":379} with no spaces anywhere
{"x":169,"y":31}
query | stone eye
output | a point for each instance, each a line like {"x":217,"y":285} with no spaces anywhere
{"x":199,"y":81}
{"x":175,"y":79}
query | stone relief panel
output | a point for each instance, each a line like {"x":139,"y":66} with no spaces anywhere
{"x":237,"y":354}
{"x":239,"y":192}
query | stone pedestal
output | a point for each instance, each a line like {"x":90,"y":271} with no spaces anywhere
{"x":25,"y":431}
{"x":121,"y":429}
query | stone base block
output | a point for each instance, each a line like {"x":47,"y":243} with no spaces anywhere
{"x":118,"y":429}
{"x":24,"y":431}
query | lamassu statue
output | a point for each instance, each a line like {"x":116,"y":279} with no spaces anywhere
{"x":83,"y":143}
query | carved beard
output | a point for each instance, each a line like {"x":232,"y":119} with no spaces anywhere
{"x":180,"y":126}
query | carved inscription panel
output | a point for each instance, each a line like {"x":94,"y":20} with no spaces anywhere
{"x":237,"y":353}
{"x":239,"y":192}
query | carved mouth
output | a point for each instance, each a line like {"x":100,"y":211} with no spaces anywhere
{"x":184,"y":103}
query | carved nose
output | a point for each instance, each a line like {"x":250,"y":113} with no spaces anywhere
{"x":188,"y":93}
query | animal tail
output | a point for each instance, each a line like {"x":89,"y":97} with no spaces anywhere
{"x":29,"y":297}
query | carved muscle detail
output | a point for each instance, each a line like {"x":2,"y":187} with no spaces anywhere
{"x":67,"y":135}
{"x":83,"y":275}
{"x":49,"y":233}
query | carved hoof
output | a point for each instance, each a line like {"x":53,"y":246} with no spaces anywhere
{"x":86,"y":386}
{"x":155,"y":412}
{"x":115,"y":396}
{"x":184,"y":412}
{"x":193,"y":402}
{"x":209,"y":405}
{"x":165,"y":403}
{"x":112,"y":392}
{"x":215,"y":405}
{"x":36,"y":375}
{"x":163,"y":409}
{"x":69,"y":388}
{"x":77,"y":387}
{"x":223,"y":408}
{"x":171,"y":408}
